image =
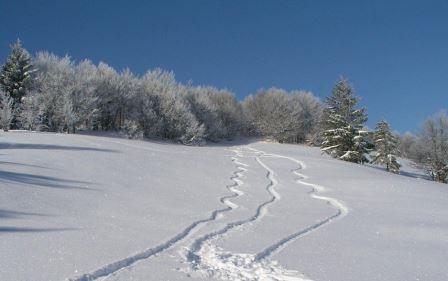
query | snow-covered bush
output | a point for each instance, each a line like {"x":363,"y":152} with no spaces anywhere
{"x":269,"y":114}
{"x":286,"y":117}
{"x":132,"y":130}
{"x":217,"y":110}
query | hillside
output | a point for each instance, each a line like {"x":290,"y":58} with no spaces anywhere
{"x":80,"y":207}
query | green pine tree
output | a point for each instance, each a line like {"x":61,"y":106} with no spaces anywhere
{"x":386,"y":147}
{"x":15,"y":74}
{"x":343,"y":136}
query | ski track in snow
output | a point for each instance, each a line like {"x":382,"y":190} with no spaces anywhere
{"x":194,"y":257}
{"x":213,"y":261}
{"x":342,"y":210}
{"x":116,"y":266}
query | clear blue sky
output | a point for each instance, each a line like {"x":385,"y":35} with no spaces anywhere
{"x":394,"y":52}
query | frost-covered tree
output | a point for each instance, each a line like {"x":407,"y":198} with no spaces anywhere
{"x":217,"y":110}
{"x":128,"y":85}
{"x":70,"y":96}
{"x":81,"y":101}
{"x":269,"y":112}
{"x":55,"y":81}
{"x":406,"y":143}
{"x":161,"y":110}
{"x":307,"y":111}
{"x":31,"y":111}
{"x":198,"y":100}
{"x":343,"y":136}
{"x":432,"y":148}
{"x":386,"y":147}
{"x":112,"y":92}
{"x":229,"y":113}
{"x":6,"y":111}
{"x":286,"y":117}
{"x":64,"y":97}
{"x":16,"y":73}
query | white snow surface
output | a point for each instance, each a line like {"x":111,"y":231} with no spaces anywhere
{"x":82,"y":207}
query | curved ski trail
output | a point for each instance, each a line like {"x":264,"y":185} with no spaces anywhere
{"x":341,"y":209}
{"x":207,"y":258}
{"x":116,"y":266}
{"x":193,"y":252}
{"x":214,"y":261}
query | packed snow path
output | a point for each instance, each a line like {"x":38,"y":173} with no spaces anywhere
{"x":78,"y":207}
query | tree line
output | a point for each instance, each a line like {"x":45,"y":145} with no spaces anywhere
{"x":46,"y":92}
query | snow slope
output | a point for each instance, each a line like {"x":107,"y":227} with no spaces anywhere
{"x":78,"y":207}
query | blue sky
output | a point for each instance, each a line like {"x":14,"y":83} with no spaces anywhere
{"x":394,"y":52}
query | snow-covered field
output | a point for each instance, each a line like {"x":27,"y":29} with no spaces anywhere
{"x":78,"y":207}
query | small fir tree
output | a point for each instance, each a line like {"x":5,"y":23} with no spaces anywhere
{"x":15,"y":78}
{"x":15,"y":75}
{"x":343,"y":136}
{"x":386,"y":147}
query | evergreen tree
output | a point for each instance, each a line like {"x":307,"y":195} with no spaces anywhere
{"x":343,"y":136}
{"x":386,"y":147}
{"x":15,"y":75}
{"x":15,"y":78}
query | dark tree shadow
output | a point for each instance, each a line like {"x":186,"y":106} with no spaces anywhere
{"x":13,"y":229}
{"x":8,"y":145}
{"x":160,"y":141}
{"x":44,"y":181}
{"x":8,"y":214}
{"x":415,"y":175}
{"x":403,"y":173}
{"x":22,"y":164}
{"x":234,"y":142}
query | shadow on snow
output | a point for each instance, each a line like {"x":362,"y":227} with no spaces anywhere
{"x":44,"y":181}
{"x":7,"y":145}
{"x":9,"y":214}
{"x":12,"y":229}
